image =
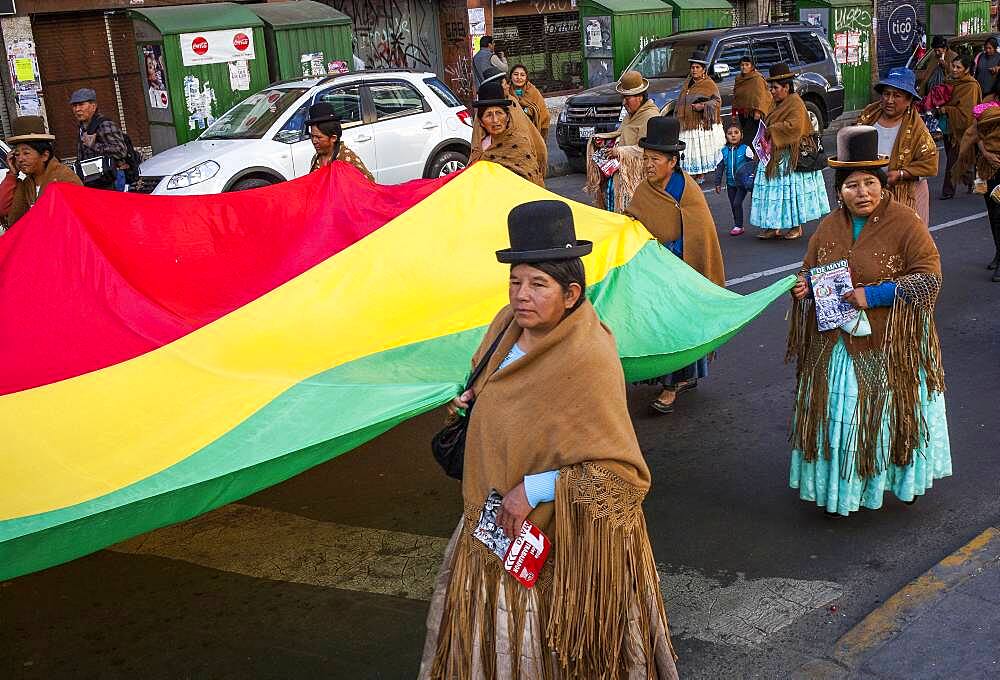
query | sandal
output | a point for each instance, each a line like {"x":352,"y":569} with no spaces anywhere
{"x":793,"y":234}
{"x":661,"y":407}
{"x":767,"y":233}
{"x":682,"y":387}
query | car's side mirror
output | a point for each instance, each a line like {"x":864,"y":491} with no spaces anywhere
{"x":720,"y":70}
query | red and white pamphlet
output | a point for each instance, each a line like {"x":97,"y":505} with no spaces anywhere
{"x":607,"y":165}
{"x":524,"y":557}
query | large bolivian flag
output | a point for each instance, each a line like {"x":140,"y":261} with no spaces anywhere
{"x":163,"y":356}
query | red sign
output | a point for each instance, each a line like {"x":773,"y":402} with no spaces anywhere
{"x":241,"y":41}
{"x":199,"y":45}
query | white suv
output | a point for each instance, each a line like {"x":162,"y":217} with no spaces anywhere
{"x":403,"y":125}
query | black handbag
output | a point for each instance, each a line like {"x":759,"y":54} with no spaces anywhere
{"x":448,"y":445}
{"x":811,"y":158}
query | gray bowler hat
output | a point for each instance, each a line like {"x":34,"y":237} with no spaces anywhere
{"x":84,"y":94}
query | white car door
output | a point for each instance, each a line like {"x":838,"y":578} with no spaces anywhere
{"x":406,"y":130}
{"x":358,"y":135}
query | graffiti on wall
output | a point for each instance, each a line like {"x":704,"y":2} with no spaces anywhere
{"x":392,"y":33}
{"x":456,"y":50}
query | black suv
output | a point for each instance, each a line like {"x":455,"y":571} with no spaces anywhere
{"x":665,"y":64}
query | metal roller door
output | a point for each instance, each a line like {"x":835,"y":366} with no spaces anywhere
{"x":549,"y":45}
{"x":94,"y":50}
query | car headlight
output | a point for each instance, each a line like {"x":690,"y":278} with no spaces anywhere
{"x":562,"y":116}
{"x":199,"y":173}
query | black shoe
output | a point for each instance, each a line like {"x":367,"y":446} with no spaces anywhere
{"x":994,"y":263}
{"x":945,"y":197}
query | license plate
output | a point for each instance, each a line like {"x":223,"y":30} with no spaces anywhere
{"x":586,"y":132}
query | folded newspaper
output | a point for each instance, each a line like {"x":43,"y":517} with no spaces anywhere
{"x":523,"y":557}
{"x":830,"y":282}
{"x":607,"y":165}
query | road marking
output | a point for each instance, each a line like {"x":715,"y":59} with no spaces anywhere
{"x":796,"y":265}
{"x":280,"y":546}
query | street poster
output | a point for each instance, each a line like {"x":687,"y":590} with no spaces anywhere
{"x":597,"y":38}
{"x":156,"y":76}
{"x":239,"y":75}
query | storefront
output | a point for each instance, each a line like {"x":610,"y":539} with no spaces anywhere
{"x":57,"y":46}
{"x":545,"y":37}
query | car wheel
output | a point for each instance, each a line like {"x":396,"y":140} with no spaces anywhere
{"x":251,"y":183}
{"x":448,"y":162}
{"x":815,"y":117}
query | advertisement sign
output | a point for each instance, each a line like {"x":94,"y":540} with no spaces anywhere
{"x":217,"y":47}
{"x":597,"y":37}
{"x":900,"y":30}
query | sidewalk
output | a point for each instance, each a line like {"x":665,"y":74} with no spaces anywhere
{"x":944,"y":624}
{"x":559,"y":165}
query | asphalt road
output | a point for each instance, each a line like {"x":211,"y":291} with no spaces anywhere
{"x":262,"y":590}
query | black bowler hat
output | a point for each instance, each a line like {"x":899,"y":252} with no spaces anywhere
{"x":492,"y":73}
{"x":663,"y":134}
{"x":857,"y":147}
{"x":491,"y":94}
{"x":540,"y":231}
{"x":699,"y":57}
{"x":322,"y":112}
{"x":939,"y":41}
{"x":748,"y":58}
{"x":780,"y":72}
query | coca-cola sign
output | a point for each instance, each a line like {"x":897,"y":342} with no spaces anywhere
{"x":217,"y":47}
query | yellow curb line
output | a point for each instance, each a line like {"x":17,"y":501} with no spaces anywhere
{"x":888,"y":620}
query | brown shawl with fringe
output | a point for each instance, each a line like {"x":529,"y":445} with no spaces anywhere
{"x":695,"y":89}
{"x":965,"y":94}
{"x":513,"y":149}
{"x":668,"y":220}
{"x":895,"y":245}
{"x":788,"y":128}
{"x":27,"y":191}
{"x":632,"y":172}
{"x":523,"y":128}
{"x":344,"y":154}
{"x":750,"y":94}
{"x":561,"y":406}
{"x":533,"y":104}
{"x":985,"y":133}
{"x":914,"y":151}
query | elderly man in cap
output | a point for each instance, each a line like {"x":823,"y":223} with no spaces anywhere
{"x":99,"y":138}
{"x":903,"y":137}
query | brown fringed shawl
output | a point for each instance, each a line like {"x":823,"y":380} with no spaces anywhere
{"x":914,"y":151}
{"x":667,"y":220}
{"x":695,"y":89}
{"x":533,"y":104}
{"x":632,"y":173}
{"x":965,"y":94}
{"x":561,"y":406}
{"x":789,"y":128}
{"x":516,"y":148}
{"x":894,"y":245}
{"x":750,"y":94}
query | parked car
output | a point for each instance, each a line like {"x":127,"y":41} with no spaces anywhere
{"x":665,"y":64}
{"x":971,"y":45}
{"x":404,"y":125}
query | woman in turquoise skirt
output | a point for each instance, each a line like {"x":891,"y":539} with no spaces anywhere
{"x":869,"y":412}
{"x":786,"y":196}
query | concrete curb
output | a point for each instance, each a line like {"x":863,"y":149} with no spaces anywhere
{"x":887,"y":622}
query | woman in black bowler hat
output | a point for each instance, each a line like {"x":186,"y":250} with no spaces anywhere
{"x":325,"y":133}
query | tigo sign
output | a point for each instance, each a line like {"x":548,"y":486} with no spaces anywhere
{"x":216,"y":47}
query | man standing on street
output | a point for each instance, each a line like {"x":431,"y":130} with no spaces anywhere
{"x":99,"y":137}
{"x":487,"y":56}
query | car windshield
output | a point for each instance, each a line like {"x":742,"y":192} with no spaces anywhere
{"x":667,"y":60}
{"x":254,"y":116}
